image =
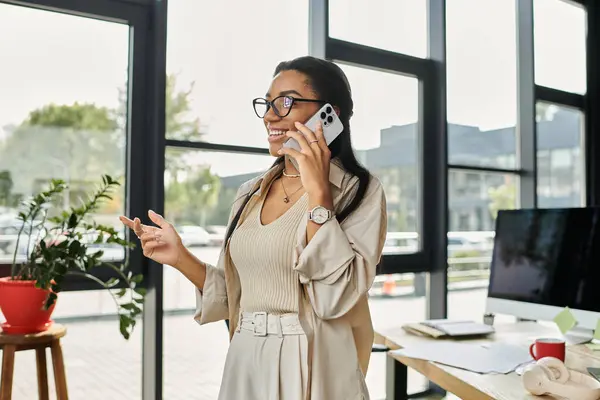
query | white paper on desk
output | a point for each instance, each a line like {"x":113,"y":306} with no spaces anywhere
{"x":482,"y":358}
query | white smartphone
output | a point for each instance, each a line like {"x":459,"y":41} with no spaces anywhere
{"x":332,"y":126}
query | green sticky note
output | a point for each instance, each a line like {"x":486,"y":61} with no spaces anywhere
{"x":565,"y":320}
{"x":597,"y":331}
{"x":593,"y":346}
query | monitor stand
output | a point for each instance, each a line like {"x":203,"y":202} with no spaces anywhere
{"x":580,"y":335}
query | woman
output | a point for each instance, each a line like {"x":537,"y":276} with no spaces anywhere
{"x":294,"y":288}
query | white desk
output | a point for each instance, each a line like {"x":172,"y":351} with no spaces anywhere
{"x":470,"y":385}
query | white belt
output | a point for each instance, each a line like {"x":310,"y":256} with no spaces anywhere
{"x":263,"y":324}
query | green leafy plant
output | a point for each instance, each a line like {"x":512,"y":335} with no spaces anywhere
{"x":59,"y":245}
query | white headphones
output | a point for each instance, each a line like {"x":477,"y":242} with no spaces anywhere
{"x":550,"y":376}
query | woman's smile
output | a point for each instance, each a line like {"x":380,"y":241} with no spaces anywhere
{"x":276,"y":134}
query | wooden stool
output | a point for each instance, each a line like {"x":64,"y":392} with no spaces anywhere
{"x":38,"y":341}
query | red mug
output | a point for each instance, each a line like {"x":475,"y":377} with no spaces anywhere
{"x":548,"y":347}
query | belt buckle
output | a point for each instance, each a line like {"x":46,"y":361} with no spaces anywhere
{"x":260,"y":323}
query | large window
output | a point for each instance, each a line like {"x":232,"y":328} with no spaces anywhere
{"x":224,"y":66}
{"x":394,"y":25}
{"x":482,"y":83}
{"x":385,"y":135}
{"x":482,"y":119}
{"x":560,"y":166}
{"x":64,"y":116}
{"x":474,"y":200}
{"x":560,"y":35}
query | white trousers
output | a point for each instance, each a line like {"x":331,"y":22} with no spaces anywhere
{"x":267,"y":359}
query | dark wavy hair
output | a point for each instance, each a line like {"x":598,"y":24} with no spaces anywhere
{"x":329,"y":84}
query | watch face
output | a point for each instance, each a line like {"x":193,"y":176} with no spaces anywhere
{"x":320,"y":215}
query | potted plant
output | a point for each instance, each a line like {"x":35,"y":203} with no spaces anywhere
{"x":58,"y":244}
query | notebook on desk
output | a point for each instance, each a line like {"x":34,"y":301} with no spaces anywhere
{"x":436,"y":328}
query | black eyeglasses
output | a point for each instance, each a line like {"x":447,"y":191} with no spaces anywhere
{"x":281,"y":105}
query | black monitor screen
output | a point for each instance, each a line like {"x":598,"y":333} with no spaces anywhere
{"x":548,"y":256}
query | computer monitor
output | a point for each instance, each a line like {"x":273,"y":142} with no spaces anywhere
{"x":545,"y":260}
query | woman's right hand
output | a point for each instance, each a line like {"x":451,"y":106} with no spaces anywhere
{"x":161,"y":244}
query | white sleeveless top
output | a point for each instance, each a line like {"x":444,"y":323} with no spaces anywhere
{"x":263,"y":258}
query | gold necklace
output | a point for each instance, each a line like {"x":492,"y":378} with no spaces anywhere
{"x":290,"y":175}
{"x":286,"y":199}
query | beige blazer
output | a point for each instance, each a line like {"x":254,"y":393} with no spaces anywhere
{"x":336,"y":270}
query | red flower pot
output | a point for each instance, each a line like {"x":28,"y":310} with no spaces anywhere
{"x":23,"y":307}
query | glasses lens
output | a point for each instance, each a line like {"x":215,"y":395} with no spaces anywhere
{"x":260,"y":107}
{"x":283,"y":105}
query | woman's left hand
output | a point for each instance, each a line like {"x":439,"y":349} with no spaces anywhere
{"x":313,"y":159}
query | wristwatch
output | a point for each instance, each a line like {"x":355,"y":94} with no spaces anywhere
{"x":319,"y":215}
